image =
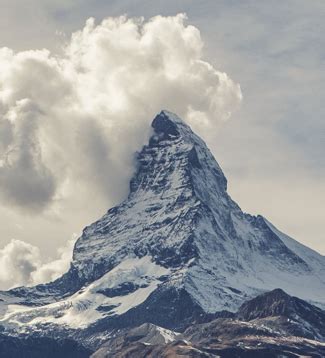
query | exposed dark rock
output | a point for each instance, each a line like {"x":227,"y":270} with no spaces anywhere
{"x":29,"y":347}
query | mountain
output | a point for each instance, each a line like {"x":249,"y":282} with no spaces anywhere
{"x":177,"y":251}
{"x":295,"y":315}
{"x":273,"y":324}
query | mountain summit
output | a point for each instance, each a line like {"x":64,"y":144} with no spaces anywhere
{"x":177,"y":248}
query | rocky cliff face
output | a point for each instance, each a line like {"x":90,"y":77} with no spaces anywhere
{"x":177,"y":249}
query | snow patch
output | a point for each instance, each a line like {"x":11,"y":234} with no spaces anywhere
{"x":88,"y":304}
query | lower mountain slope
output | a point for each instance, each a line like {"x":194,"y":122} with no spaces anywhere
{"x":30,"y":347}
{"x":273,"y":324}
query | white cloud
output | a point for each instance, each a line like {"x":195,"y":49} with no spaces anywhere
{"x":51,"y":270}
{"x":69,"y":124}
{"x":18,"y":260}
{"x":21,"y":264}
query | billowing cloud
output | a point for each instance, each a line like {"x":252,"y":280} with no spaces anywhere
{"x":24,"y":179}
{"x":70,"y":123}
{"x":21,"y":264}
{"x":18,"y":260}
{"x":52,"y":269}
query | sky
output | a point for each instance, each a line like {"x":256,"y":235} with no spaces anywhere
{"x":248,"y":76}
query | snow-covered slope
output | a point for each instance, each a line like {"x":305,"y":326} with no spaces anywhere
{"x":177,"y":246}
{"x":117,"y":291}
{"x":314,"y":259}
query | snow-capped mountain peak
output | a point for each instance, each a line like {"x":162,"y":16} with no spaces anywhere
{"x":177,"y":248}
